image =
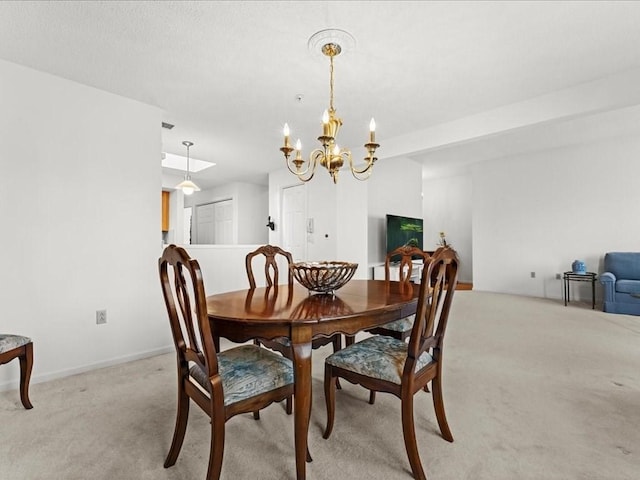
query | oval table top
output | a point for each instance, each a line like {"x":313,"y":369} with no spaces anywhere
{"x":286,"y":305}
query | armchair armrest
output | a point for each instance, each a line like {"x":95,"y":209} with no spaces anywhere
{"x":608,"y":281}
{"x":607,"y":277}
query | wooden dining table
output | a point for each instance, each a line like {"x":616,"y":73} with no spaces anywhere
{"x":295,"y":313}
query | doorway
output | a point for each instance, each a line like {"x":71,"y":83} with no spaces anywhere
{"x":294,"y":228}
{"x":214,"y":223}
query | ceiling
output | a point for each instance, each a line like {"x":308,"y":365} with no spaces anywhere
{"x":228,"y":74}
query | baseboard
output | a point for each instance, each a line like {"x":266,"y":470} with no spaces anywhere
{"x":46,"y":377}
{"x":464,"y":286}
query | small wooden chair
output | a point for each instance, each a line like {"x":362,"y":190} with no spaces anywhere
{"x":270,"y":254}
{"x":386,"y":364}
{"x":17,"y":346}
{"x":243,"y":379}
{"x":401,"y":329}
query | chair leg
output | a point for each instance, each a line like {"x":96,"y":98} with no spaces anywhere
{"x":216,"y":449}
{"x":26,"y":364}
{"x":330,"y":399}
{"x":289,"y":405}
{"x":409,"y":432}
{"x":438,"y":405}
{"x":337,"y":345}
{"x":181,"y":427}
{"x":256,"y":415}
{"x":349,"y":339}
{"x":372,"y":397}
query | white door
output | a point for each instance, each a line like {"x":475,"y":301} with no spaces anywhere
{"x":214,"y":223}
{"x":204,"y":224}
{"x":294,"y":215}
{"x":223,"y":219}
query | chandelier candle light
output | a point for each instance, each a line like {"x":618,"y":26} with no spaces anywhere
{"x":330,"y":156}
{"x":187,"y":186}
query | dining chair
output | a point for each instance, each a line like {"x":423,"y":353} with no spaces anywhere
{"x":270,"y":254}
{"x":17,"y":346}
{"x":386,"y":364}
{"x":401,"y":329}
{"x":242,"y":379}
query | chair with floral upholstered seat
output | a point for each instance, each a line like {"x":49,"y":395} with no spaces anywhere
{"x":270,"y":254}
{"x":401,"y":329}
{"x":17,"y":346}
{"x":242,"y":379}
{"x":386,"y":364}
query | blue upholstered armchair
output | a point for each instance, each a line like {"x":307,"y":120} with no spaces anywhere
{"x":621,"y":282}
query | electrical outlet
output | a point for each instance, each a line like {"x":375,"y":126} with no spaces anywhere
{"x":558,"y":276}
{"x":101,"y":317}
{"x":533,"y":274}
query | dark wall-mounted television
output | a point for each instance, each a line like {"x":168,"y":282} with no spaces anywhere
{"x":404,"y":231}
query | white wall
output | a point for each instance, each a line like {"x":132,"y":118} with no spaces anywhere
{"x":80,"y":207}
{"x":539,"y":212}
{"x":223,"y":267}
{"x":447,"y":207}
{"x":339,"y":212}
{"x":395,"y":187}
{"x":253,"y":208}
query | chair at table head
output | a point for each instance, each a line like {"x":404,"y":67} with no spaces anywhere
{"x":272,"y":256}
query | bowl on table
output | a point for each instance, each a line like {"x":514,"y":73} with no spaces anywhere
{"x":323,"y":277}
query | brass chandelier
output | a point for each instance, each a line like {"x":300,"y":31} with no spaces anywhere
{"x":330,"y":156}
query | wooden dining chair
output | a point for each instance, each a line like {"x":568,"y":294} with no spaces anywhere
{"x":242,"y":379}
{"x":17,"y":346}
{"x":386,"y":364}
{"x":401,"y":329}
{"x":270,"y":254}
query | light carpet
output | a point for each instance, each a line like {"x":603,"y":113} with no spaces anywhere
{"x":532,"y":389}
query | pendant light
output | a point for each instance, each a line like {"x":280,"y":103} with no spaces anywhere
{"x":187,"y":186}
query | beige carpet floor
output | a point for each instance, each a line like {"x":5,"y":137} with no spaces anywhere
{"x":533,"y":390}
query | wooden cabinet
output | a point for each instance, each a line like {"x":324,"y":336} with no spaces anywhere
{"x":165,"y":211}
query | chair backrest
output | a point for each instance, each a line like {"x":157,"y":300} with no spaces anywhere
{"x":184,"y":296}
{"x":270,"y":253}
{"x":434,"y":304}
{"x":406,"y":254}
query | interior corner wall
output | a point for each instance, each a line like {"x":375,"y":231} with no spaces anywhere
{"x":447,"y":207}
{"x":253,"y":210}
{"x":395,"y":187}
{"x":351,"y":215}
{"x":80,"y":205}
{"x":540,"y":212}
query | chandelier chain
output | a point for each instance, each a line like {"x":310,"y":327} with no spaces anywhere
{"x":331,"y":85}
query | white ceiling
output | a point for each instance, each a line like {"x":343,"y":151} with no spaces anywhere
{"x":227,"y":74}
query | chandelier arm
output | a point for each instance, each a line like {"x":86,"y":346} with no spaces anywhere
{"x":312,"y":163}
{"x":367,"y":168}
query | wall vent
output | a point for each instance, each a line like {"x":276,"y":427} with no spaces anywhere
{"x":168,"y":126}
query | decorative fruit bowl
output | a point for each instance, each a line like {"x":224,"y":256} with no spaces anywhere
{"x":323,"y":277}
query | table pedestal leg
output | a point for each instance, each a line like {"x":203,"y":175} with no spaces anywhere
{"x":301,"y":345}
